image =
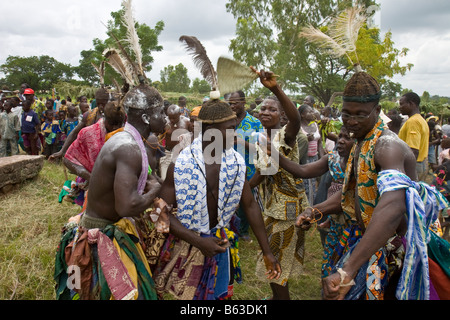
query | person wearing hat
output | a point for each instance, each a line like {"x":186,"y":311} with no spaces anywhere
{"x":28,"y":93}
{"x":381,"y":202}
{"x":106,"y":245}
{"x":207,"y":183}
{"x":30,"y":128}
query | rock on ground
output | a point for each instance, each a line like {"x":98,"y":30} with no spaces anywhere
{"x":16,"y":169}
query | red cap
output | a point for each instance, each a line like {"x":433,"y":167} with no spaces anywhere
{"x":28,"y":91}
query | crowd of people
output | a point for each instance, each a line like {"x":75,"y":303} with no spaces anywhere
{"x":166,"y":191}
{"x":37,"y":125}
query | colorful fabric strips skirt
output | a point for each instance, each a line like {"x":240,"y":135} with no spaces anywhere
{"x":105,"y":263}
{"x":186,"y":274}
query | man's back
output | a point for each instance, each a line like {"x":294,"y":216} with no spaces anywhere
{"x":118,"y":165}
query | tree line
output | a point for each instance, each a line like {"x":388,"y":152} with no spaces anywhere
{"x":266,"y":36}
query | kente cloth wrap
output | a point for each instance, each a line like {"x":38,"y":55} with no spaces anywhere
{"x":102,"y":263}
{"x":86,"y":147}
{"x":367,"y":177}
{"x":191,"y":187}
{"x":423,"y":204}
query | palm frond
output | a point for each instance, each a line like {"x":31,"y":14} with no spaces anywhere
{"x":232,"y":75}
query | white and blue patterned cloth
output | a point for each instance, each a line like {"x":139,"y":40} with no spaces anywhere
{"x":423,"y":204}
{"x":191,"y":187}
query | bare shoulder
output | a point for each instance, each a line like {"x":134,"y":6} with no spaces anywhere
{"x":121,"y":145}
{"x":389,"y":140}
{"x":391,"y":152}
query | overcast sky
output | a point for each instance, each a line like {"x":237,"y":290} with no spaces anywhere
{"x":62,"y":29}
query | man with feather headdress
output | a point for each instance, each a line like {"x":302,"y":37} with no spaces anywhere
{"x":102,"y":256}
{"x":383,"y":252}
{"x":207,"y":193}
{"x":121,"y":189}
{"x":389,"y":246}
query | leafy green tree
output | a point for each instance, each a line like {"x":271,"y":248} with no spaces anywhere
{"x":391,"y":90}
{"x":175,"y":79}
{"x":200,"y":86}
{"x":148,"y":39}
{"x":85,"y":70}
{"x":267,"y":36}
{"x":425,"y":97}
{"x":41,"y":73}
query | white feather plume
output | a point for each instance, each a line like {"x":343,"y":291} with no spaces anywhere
{"x":346,"y":26}
{"x":121,"y":65}
{"x":132,"y":38}
{"x":323,"y":40}
{"x":342,"y":33}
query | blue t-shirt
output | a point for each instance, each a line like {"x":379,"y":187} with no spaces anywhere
{"x":30,"y":120}
{"x":244,"y":131}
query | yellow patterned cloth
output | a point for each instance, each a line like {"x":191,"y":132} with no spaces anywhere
{"x":283,"y":195}
{"x":367,"y":177}
{"x":287,"y":243}
{"x":283,"y":199}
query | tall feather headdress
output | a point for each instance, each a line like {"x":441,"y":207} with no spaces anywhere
{"x":121,"y":65}
{"x":130,"y":68}
{"x":132,"y":38}
{"x":342,"y":34}
{"x":202,"y":62}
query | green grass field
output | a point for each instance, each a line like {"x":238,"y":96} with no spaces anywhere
{"x":30,"y":222}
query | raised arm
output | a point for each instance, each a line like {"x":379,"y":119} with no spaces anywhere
{"x":268,"y":79}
